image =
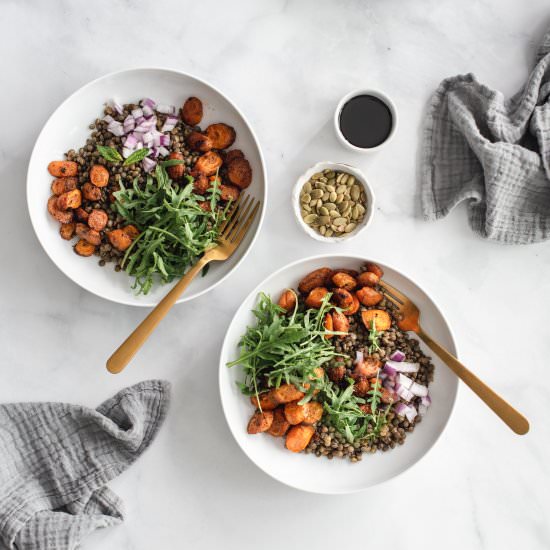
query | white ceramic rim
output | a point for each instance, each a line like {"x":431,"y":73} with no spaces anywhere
{"x":319,"y":167}
{"x":365,"y":91}
{"x":185,"y":297}
{"x":255,"y":291}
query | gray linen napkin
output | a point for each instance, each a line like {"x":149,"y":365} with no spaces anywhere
{"x":493,"y":153}
{"x":55,"y":460}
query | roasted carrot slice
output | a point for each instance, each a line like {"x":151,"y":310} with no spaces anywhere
{"x":191,"y":112}
{"x":69,"y":200}
{"x":62,"y":185}
{"x":298,"y":437}
{"x":98,"y":219}
{"x":63,"y":168}
{"x":67,"y":231}
{"x":239,"y":173}
{"x":208,"y":164}
{"x":221,"y":135}
{"x":381,"y":319}
{"x":99,"y":175}
{"x":84,"y":248}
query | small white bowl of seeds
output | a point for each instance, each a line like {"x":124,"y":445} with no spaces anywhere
{"x":333,"y":202}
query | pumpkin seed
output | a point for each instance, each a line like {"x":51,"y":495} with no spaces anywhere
{"x":323,"y":220}
{"x":343,"y":205}
{"x":310,"y":218}
{"x":344,"y":178}
{"x":333,"y":196}
{"x":305,"y":198}
{"x":355,"y":192}
{"x":351,"y":180}
{"x":322,"y":229}
{"x":323,"y":211}
{"x":317,"y":175}
{"x":316,"y":194}
{"x":339,"y":177}
{"x":325,"y":196}
{"x":328,"y":233}
{"x":334,"y":214}
{"x":330,"y":206}
{"x":330,"y":188}
{"x":355,"y":212}
{"x":341,"y":189}
{"x":307,"y":187}
{"x":306,"y":207}
{"x":350,"y":227}
{"x":339,"y":198}
{"x":340,"y":221}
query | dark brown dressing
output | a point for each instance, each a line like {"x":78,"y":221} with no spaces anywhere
{"x":365,"y":121}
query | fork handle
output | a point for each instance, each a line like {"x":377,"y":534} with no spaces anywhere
{"x":123,"y":355}
{"x":515,"y":420}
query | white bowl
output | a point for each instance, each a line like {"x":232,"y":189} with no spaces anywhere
{"x":319,"y":475}
{"x":359,"y":176}
{"x":382,"y":97}
{"x":67,"y":128}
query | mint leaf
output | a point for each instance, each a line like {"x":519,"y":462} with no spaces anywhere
{"x":109,"y":153}
{"x":136,"y":156}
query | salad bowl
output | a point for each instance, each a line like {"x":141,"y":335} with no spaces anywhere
{"x":308,"y":472}
{"x":68,"y":128}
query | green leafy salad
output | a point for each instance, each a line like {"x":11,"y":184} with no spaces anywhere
{"x":175,"y":227}
{"x":288,"y":348}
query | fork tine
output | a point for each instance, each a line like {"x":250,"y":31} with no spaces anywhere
{"x":391,"y":298}
{"x":401,"y":298}
{"x":231,"y":212}
{"x":239,"y":237}
{"x":235,"y":218}
{"x":239,"y":221}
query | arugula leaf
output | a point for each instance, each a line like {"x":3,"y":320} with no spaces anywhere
{"x":109,"y":153}
{"x":283,"y":348}
{"x":175,"y":231}
{"x":136,"y":156}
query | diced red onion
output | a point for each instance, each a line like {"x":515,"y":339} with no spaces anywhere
{"x":405,"y":381}
{"x":139,"y":146}
{"x":164,"y":140}
{"x":147,"y":111}
{"x":403,"y":392}
{"x":154,"y":153}
{"x":389,"y":370}
{"x":400,"y":409}
{"x":108,"y":118}
{"x":146,"y":125}
{"x":148,"y":138}
{"x":129,"y":123}
{"x":137,"y":113}
{"x":117,"y":107}
{"x":422,"y":409}
{"x":426,"y":400}
{"x":382,"y":376}
{"x":359,"y":357}
{"x":131,"y":141}
{"x":148,"y":164}
{"x":389,"y":382}
{"x":147,"y":101}
{"x":403,"y":366}
{"x":166,"y":109}
{"x":398,"y":356}
{"x":126,"y":152}
{"x":169,"y":124}
{"x":411,"y":413}
{"x":139,"y":120}
{"x":418,"y":389}
{"x":163,"y":151}
{"x":115,"y":128}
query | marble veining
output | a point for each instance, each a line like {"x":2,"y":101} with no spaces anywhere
{"x":286,"y":64}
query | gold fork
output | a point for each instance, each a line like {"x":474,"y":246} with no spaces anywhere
{"x":410,"y":315}
{"x":239,"y":218}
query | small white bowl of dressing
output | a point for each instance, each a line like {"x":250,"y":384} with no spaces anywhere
{"x":330,"y":235}
{"x":365,"y":120}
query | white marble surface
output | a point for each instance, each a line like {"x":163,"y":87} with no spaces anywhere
{"x":286,"y":64}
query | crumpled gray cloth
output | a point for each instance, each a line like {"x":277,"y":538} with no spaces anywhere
{"x":55,"y":460}
{"x":493,"y":153}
